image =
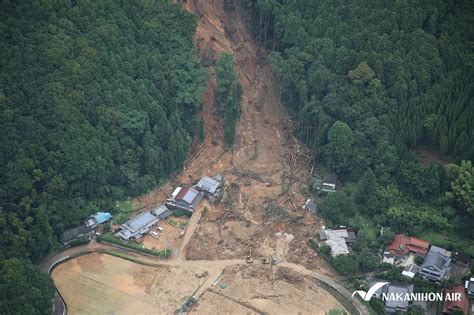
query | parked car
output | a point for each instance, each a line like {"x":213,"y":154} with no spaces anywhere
{"x":153,"y":233}
{"x":160,"y":229}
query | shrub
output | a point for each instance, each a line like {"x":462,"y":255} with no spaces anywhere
{"x":181,"y":213}
{"x":112,"y":239}
{"x":418,"y":260}
{"x":345,"y":264}
{"x":81,"y":240}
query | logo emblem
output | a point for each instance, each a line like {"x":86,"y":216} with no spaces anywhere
{"x":366,"y":296}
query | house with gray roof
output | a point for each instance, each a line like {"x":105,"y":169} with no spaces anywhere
{"x":210,"y":186}
{"x":310,"y":206}
{"x":336,"y":240}
{"x":71,"y":234}
{"x":393,"y":304}
{"x":436,"y":265}
{"x":185,"y":199}
{"x":328,"y":183}
{"x":137,"y":226}
{"x":161,"y":212}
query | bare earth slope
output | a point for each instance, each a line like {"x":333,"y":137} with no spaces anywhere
{"x":260,"y":214}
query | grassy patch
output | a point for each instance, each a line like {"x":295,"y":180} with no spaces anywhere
{"x":449,"y":241}
{"x":124,"y":206}
{"x":172,"y":223}
{"x":181,"y":213}
{"x":123,"y":209}
{"x":132,"y":245}
{"x":81,"y":240}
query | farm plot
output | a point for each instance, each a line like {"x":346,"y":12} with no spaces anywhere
{"x":103,"y":284}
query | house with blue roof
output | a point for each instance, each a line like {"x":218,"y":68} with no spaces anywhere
{"x":97,"y":219}
{"x":101,"y":217}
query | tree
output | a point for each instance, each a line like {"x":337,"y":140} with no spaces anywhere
{"x":366,"y":194}
{"x":103,"y":110}
{"x":366,"y":260}
{"x":345,"y":264}
{"x":339,"y":150}
{"x":24,"y":289}
{"x":463,"y":187}
{"x":337,"y":208}
{"x":202,"y":131}
{"x":228,"y":95}
{"x":363,"y":74}
{"x":387,"y":236}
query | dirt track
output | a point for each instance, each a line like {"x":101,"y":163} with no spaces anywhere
{"x":99,"y":283}
{"x":261,"y":213}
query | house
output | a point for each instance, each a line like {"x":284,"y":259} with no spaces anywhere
{"x":101,"y":217}
{"x":469,"y":286}
{"x":336,"y":240}
{"x":351,"y":238}
{"x":338,"y":246}
{"x":436,"y":265}
{"x":463,"y":259}
{"x":162,"y":212}
{"x":402,"y":246}
{"x":316,"y":183}
{"x":310,"y":206}
{"x":322,"y":235}
{"x":137,"y":226}
{"x":328,"y":183}
{"x":392,"y":304}
{"x":71,"y":234}
{"x":185,"y":199}
{"x":449,"y":307}
{"x":98,"y":219}
{"x":378,"y":293}
{"x":410,"y":271}
{"x":210,"y":186}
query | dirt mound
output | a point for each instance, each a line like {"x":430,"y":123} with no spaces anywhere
{"x":265,"y":290}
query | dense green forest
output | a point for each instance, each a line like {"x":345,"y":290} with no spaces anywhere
{"x":97,"y":103}
{"x":228,"y":96}
{"x":369,"y":82}
{"x":24,"y":289}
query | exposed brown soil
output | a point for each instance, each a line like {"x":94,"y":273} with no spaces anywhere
{"x":123,"y":287}
{"x":260,"y":215}
{"x":264,"y":290}
{"x":429,"y":156}
{"x":267,"y":163}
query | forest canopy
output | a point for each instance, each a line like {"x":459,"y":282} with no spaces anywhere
{"x":98,"y":102}
{"x":369,"y":83}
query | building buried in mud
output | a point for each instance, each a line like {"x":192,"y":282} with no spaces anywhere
{"x":327,"y":184}
{"x":211,"y":187}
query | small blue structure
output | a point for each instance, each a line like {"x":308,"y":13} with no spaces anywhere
{"x":101,"y":217}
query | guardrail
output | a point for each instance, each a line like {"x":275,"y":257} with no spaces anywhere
{"x":348,"y":305}
{"x":57,"y":293}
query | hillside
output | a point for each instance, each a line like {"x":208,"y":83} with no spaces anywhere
{"x":98,"y":103}
{"x":369,"y":82}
